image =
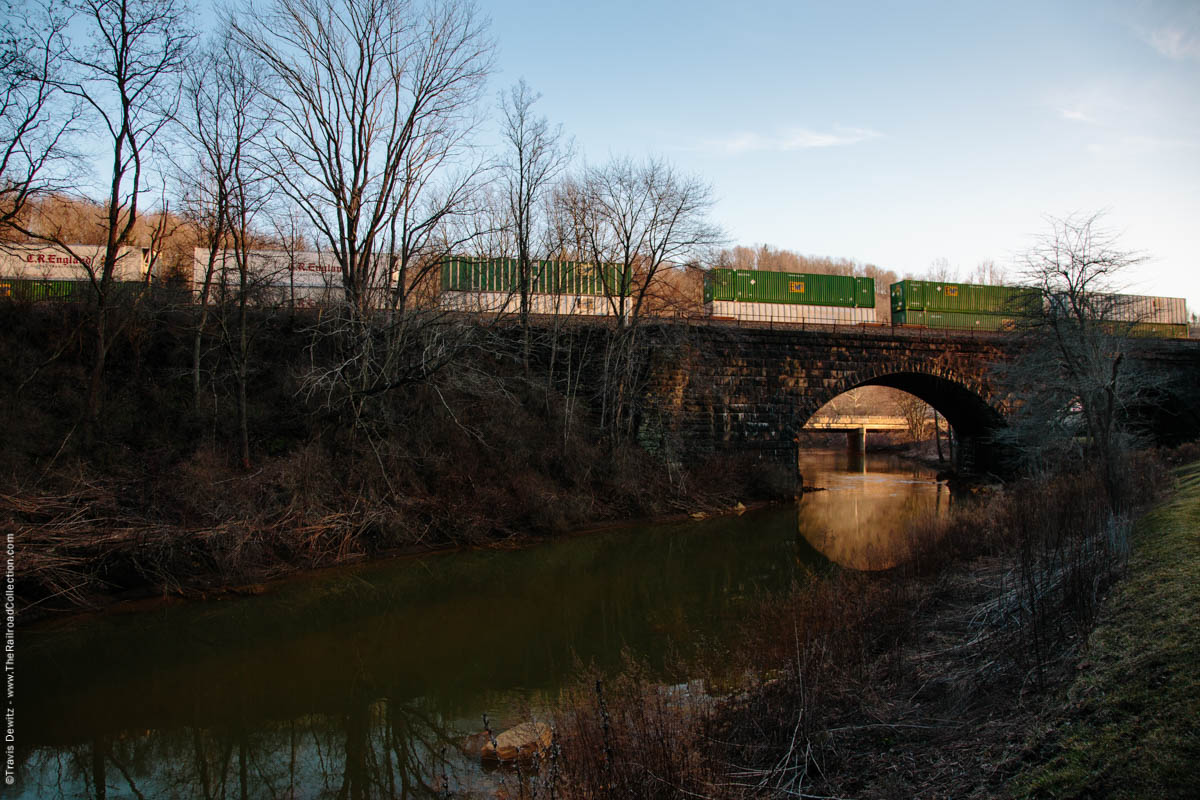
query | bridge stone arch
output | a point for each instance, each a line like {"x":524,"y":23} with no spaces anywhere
{"x":715,"y":386}
{"x":746,"y":388}
{"x":965,"y":400}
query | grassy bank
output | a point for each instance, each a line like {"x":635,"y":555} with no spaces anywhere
{"x":1129,"y":725}
{"x":941,"y":678}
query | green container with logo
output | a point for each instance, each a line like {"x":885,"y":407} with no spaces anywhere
{"x":960,"y":298}
{"x":956,"y":320}
{"x":794,"y":288}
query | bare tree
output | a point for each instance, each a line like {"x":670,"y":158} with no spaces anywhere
{"x":226,"y":124}
{"x":35,"y":117}
{"x":989,"y":273}
{"x":1078,"y":376}
{"x":638,"y":219}
{"x":940,"y":269}
{"x":631,"y":221}
{"x":123,"y":71}
{"x":373,"y":97}
{"x":915,"y":412}
{"x":535,"y":155}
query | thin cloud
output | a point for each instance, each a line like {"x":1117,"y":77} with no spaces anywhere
{"x":793,"y":139}
{"x":1074,"y":115}
{"x":1130,"y":145}
{"x":1175,"y":42}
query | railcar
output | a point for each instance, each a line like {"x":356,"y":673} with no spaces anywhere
{"x":964,"y":306}
{"x":493,"y":285}
{"x":765,"y":296}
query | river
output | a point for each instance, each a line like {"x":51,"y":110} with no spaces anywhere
{"x":376,"y":672}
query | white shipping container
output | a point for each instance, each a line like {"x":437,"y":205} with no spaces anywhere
{"x":74,"y":262}
{"x":1144,"y":308}
{"x":1136,"y":308}
{"x":790,"y":313}
{"x":276,"y":276}
{"x":510,"y":303}
{"x":269,"y":268}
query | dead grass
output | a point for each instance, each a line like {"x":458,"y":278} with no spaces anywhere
{"x":926,"y":681}
{"x":1129,"y":725}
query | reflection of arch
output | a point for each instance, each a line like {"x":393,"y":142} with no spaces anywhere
{"x":965,"y":402}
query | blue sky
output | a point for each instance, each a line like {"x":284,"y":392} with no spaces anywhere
{"x":894,"y":133}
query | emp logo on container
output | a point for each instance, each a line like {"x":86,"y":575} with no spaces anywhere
{"x":951,"y":291}
{"x":796,"y":286}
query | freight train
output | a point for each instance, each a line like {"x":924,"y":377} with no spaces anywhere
{"x":491,"y":285}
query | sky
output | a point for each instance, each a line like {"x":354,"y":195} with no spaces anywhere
{"x":893,"y":133}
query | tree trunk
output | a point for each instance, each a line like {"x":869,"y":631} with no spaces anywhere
{"x":937,"y":434}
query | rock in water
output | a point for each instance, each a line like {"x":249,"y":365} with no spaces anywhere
{"x":524,"y":741}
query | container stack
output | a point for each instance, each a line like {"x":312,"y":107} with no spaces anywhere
{"x":764,"y":296}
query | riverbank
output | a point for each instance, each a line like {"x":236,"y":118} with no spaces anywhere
{"x":172,"y":493}
{"x":1126,"y":726}
{"x":977,"y":670}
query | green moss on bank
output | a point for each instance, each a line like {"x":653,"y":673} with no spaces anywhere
{"x":1131,"y":723}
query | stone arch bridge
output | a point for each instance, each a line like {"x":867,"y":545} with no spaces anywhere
{"x":726,"y":387}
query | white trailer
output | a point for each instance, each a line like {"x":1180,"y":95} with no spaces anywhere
{"x":72,"y":262}
{"x":789,"y":312}
{"x":1147,"y":309}
{"x":276,"y":277}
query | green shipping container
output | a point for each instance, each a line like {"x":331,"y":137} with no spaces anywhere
{"x":548,"y":277}
{"x":33,"y":291}
{"x":1157,"y":330}
{"x":912,"y":295}
{"x":763,"y":286}
{"x":956,"y":320}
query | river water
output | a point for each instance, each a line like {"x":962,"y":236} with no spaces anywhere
{"x":367,"y":676}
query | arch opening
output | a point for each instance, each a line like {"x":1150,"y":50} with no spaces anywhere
{"x":971,"y":417}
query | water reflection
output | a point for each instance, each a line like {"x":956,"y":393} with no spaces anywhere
{"x":860,"y":519}
{"x":378,"y":748}
{"x":362,"y":683}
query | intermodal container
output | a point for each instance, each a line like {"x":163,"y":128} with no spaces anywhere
{"x":1144,"y":309}
{"x":959,"y":298}
{"x":1159,"y":330}
{"x":33,"y":291}
{"x":956,"y":320}
{"x":37,"y":291}
{"x":763,"y":286}
{"x":790,"y":313}
{"x":547,"y":277}
{"x":72,"y":262}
